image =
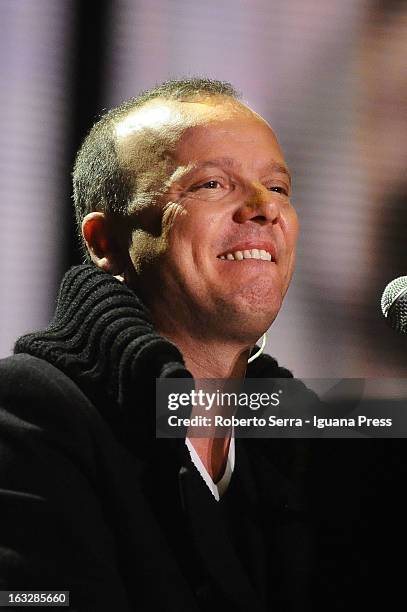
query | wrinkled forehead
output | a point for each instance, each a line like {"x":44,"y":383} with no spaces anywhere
{"x":150,"y":139}
{"x":156,"y":128}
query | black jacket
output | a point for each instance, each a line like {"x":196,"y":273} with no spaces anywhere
{"x":91,"y":502}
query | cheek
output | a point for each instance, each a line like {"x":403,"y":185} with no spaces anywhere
{"x":297,"y":225}
{"x":144,"y":249}
{"x":189,"y":228}
{"x":292,"y":229}
{"x":172,"y":217}
{"x":149,"y":241}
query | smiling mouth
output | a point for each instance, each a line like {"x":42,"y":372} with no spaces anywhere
{"x":247,"y":254}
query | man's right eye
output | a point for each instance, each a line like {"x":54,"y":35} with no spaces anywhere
{"x":208,"y":185}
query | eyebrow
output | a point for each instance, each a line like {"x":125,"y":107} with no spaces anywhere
{"x":229,"y":162}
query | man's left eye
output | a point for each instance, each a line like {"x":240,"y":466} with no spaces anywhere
{"x":278,"y":189}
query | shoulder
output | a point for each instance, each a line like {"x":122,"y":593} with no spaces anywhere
{"x":24,"y":374}
{"x":15,"y":366}
{"x":30,"y":380}
{"x":40,"y":403}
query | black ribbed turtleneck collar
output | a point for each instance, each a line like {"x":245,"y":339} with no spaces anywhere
{"x":102,"y":337}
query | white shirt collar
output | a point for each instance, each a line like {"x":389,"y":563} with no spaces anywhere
{"x":220,"y":487}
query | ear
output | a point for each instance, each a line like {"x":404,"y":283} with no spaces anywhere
{"x":103,"y":243}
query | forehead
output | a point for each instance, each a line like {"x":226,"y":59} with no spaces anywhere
{"x":166,"y":133}
{"x":237,"y":140}
{"x":162,"y":115}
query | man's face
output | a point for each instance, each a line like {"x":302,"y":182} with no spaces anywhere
{"x":215,"y":252}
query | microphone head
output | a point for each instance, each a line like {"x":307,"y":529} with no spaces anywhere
{"x":394,"y":304}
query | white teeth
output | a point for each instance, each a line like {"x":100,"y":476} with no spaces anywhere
{"x":247,"y":254}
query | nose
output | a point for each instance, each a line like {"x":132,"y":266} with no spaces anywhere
{"x":260,"y":205}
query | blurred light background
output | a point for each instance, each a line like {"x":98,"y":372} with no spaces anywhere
{"x":331,"y":77}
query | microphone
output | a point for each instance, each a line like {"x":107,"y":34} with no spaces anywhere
{"x":394,"y":304}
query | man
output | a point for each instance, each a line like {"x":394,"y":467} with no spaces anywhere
{"x":183,"y":200}
{"x":219,"y":242}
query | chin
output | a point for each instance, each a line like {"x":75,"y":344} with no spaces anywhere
{"x":248,"y":320}
{"x":263,"y":305}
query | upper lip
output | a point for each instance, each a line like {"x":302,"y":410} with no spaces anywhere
{"x":252,"y":244}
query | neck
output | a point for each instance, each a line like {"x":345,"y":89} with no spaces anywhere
{"x":212,"y":359}
{"x":206,"y":351}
